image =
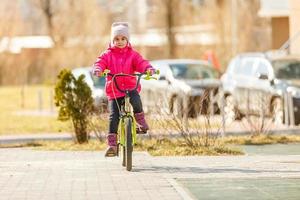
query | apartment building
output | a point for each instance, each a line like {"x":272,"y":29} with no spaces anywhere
{"x":284,"y":16}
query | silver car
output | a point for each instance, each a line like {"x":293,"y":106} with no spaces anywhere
{"x":183,"y":86}
{"x":97,"y":85}
{"x":256,"y":83}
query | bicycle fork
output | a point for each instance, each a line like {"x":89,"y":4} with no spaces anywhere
{"x":125,"y":114}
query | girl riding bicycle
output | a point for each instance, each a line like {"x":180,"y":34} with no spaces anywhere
{"x":120,"y":57}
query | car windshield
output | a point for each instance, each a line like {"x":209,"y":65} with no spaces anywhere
{"x":99,"y":82}
{"x":193,"y":71}
{"x":287,"y":69}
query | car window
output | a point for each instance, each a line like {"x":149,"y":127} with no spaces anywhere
{"x":263,"y":67}
{"x":192,"y":71}
{"x":162,"y":67}
{"x":238,"y":68}
{"x":247,"y":66}
{"x":287,"y":69}
{"x":233,"y":65}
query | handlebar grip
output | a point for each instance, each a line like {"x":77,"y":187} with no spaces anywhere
{"x":105,"y":72}
{"x":157,"y":71}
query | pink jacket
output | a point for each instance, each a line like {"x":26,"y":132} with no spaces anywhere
{"x":125,"y":60}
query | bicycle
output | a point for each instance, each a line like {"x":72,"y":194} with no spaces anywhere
{"x":127,"y":124}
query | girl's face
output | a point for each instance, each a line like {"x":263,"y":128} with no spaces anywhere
{"x":120,"y":41}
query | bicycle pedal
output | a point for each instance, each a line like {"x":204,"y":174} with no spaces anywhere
{"x":140,"y":132}
{"x":111,"y":152}
{"x":110,"y":155}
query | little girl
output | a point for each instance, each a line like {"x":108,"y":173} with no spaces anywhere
{"x":120,"y":57}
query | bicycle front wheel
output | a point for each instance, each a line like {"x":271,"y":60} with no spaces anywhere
{"x":128,"y":143}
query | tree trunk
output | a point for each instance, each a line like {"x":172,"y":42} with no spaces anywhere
{"x":80,"y":132}
{"x":169,"y":24}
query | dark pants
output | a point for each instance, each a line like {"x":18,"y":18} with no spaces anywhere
{"x":114,"y":116}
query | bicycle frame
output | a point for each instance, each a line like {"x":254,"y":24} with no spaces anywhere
{"x":126,"y":112}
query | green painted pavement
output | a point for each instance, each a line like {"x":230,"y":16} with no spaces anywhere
{"x":273,"y":149}
{"x":243,"y":189}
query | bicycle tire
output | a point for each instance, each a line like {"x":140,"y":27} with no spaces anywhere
{"x":128,"y":144}
{"x":123,"y":156}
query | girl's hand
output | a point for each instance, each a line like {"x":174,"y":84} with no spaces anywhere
{"x":97,"y":72}
{"x":150,"y":71}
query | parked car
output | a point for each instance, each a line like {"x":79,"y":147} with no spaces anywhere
{"x":97,"y":85}
{"x":183,"y":85}
{"x":256,"y":82}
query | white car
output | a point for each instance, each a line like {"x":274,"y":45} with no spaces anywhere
{"x":97,"y":85}
{"x":182,"y":85}
{"x":257,"y":82}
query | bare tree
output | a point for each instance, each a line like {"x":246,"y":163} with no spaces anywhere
{"x":48,"y":9}
{"x":10,"y":25}
{"x":76,"y":28}
{"x":69,"y":18}
{"x":170,"y":12}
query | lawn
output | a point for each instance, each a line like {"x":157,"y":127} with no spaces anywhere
{"x":25,"y":110}
{"x":31,"y":110}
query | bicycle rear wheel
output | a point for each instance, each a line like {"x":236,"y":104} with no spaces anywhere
{"x":123,"y":156}
{"x":128,"y":143}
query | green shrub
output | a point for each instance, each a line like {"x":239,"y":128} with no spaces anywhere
{"x":74,"y":99}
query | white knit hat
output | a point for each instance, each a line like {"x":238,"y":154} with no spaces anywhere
{"x":119,"y":28}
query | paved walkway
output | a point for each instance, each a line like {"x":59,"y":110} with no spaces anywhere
{"x":30,"y":174}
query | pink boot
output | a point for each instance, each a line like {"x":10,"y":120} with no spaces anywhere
{"x":112,"y":149}
{"x":142,"y":126}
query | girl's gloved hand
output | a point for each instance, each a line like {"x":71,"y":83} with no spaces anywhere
{"x":150,"y":71}
{"x":97,"y":72}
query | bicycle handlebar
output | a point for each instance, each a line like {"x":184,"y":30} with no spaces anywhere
{"x":139,"y":75}
{"x":132,"y":75}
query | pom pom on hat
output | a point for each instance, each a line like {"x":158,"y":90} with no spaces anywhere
{"x":119,"y":28}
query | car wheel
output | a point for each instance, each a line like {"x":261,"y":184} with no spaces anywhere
{"x":277,"y":111}
{"x":229,"y":110}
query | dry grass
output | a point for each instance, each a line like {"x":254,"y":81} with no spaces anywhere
{"x":262,"y":139}
{"x":166,"y":146}
{"x":92,"y":145}
{"x":178,"y":147}
{"x":156,"y":147}
{"x":20,"y":145}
